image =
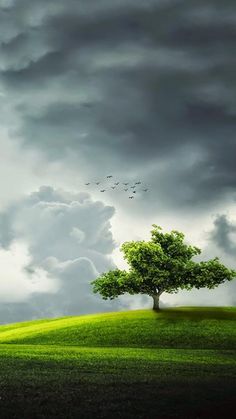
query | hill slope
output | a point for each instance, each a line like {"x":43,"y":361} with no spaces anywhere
{"x":177,"y":363}
{"x":195,"y":328}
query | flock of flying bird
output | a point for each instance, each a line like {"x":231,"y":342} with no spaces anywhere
{"x":127,"y":186}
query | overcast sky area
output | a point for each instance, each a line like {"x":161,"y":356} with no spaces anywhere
{"x":140,"y":90}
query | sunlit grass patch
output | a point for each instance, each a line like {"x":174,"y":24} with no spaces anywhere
{"x":173,"y":328}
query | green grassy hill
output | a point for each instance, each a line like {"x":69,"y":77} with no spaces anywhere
{"x":173,"y":328}
{"x":138,"y":364}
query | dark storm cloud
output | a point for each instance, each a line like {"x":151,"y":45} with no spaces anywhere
{"x":222,"y":243}
{"x":224,"y":235}
{"x":129,"y":82}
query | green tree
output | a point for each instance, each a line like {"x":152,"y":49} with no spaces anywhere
{"x":163,"y":264}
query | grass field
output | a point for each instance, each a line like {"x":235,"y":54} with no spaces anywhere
{"x":177,"y":363}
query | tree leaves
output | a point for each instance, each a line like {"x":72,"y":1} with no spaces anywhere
{"x":163,"y":264}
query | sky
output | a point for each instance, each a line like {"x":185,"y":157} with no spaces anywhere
{"x":142,"y":91}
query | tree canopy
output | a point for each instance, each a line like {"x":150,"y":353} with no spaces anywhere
{"x":163,"y":264}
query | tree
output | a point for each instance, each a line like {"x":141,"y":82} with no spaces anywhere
{"x":163,"y":264}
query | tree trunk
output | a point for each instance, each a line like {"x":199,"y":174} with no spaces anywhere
{"x":156,"y":299}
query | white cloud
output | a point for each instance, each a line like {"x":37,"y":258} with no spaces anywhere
{"x":18,"y":283}
{"x":77,"y":234}
{"x":69,"y":243}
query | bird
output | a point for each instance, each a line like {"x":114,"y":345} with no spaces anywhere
{"x":97,"y":183}
{"x":145,"y":190}
{"x":117,"y":183}
{"x":87,"y":184}
{"x":126,"y":183}
{"x":103,"y":190}
{"x":131,"y":197}
{"x":126,"y":189}
{"x":132,"y":187}
{"x":138,"y":183}
{"x":134,"y":191}
{"x":109,"y":176}
{"x":113,"y":187}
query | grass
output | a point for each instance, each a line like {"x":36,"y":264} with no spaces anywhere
{"x":178,"y":363}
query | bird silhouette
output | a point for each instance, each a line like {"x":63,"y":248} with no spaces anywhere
{"x":134,"y":188}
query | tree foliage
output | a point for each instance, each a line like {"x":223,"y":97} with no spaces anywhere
{"x":163,"y":264}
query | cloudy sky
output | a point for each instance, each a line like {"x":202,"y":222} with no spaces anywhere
{"x":141,"y":90}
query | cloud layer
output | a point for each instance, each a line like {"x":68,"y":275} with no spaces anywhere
{"x":125,"y":83}
{"x":18,"y":282}
{"x":54,"y":243}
